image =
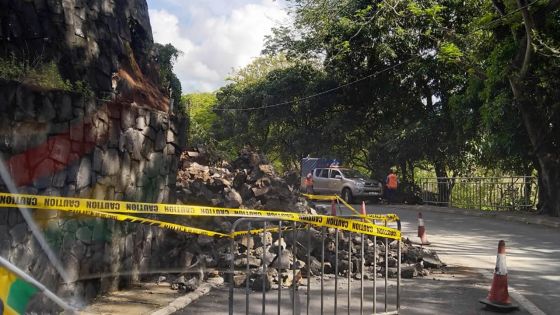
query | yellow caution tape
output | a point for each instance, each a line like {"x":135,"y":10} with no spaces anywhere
{"x":161,"y":224}
{"x":381,"y":217}
{"x":111,"y":206}
{"x":320,"y":197}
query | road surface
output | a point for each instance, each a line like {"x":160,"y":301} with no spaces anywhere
{"x":468,"y":244}
{"x":533,"y":251}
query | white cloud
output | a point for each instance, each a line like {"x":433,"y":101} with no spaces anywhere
{"x":213,"y":41}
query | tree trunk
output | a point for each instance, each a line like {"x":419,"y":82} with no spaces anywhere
{"x":443,"y":183}
{"x":534,"y":119}
{"x":550,"y":185}
{"x":548,"y":160}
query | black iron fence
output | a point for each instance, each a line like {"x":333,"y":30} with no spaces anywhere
{"x":515,"y":193}
{"x":323,"y":291}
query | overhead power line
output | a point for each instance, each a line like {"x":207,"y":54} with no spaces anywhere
{"x":372,"y":74}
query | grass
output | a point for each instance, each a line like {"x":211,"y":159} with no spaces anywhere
{"x":39,"y":74}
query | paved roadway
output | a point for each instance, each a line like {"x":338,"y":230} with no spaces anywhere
{"x":533,"y":251}
{"x":468,"y":245}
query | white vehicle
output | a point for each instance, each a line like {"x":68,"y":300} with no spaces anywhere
{"x":348,"y":183}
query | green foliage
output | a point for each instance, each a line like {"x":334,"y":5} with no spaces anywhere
{"x":40,"y":74}
{"x":200,"y":111}
{"x":166,"y":57}
{"x":423,"y":83}
{"x":449,"y":52}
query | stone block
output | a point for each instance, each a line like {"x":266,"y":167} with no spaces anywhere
{"x":114,"y":134}
{"x":149,"y":133}
{"x":46,"y":113}
{"x":170,"y":136}
{"x":83,"y":177}
{"x":43,"y":174}
{"x":59,"y":178}
{"x":147,"y":148}
{"x":160,"y":141}
{"x":40,"y":154}
{"x":19,"y":233}
{"x":61,"y":150}
{"x":132,"y":142}
{"x":97,"y":159}
{"x":77,"y":130}
{"x":25,"y":103}
{"x":64,"y":111}
{"x":110,"y":162}
{"x":84,"y":234}
{"x":141,"y":123}
{"x":128,"y":119}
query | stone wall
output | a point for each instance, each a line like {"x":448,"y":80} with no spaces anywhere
{"x":111,"y":137}
{"x":63,"y":144}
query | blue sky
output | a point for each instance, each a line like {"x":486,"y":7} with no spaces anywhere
{"x":214,"y":36}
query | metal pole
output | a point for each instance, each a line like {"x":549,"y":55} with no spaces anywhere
{"x":335,"y":270}
{"x":350,"y":265}
{"x":247,"y":273}
{"x":232,"y":267}
{"x":265,"y":275}
{"x":279,"y":265}
{"x":386,"y":268}
{"x":21,"y":274}
{"x":374,"y":274}
{"x":294,"y":250}
{"x":308,"y":265}
{"x":399,"y":270}
{"x":322,"y":266}
{"x":362,"y":275}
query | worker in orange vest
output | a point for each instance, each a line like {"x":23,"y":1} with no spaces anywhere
{"x":309,"y":184}
{"x":391,"y":186}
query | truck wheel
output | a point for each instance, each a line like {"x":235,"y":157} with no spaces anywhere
{"x":347,"y":195}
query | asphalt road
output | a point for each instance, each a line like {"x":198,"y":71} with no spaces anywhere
{"x":533,"y":251}
{"x":467,"y":244}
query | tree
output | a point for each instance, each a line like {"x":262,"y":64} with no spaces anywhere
{"x":166,"y":57}
{"x":200,"y":111}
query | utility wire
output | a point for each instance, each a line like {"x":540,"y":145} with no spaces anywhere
{"x":372,"y":74}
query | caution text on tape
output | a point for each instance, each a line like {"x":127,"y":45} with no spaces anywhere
{"x":111,"y":206}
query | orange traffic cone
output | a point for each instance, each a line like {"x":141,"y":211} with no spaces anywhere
{"x":364,"y":212}
{"x":422,"y":231}
{"x":333,"y":208}
{"x":498,"y":296}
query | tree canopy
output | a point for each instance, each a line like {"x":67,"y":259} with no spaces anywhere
{"x":458,"y":85}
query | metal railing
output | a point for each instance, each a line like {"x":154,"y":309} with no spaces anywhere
{"x":319,"y":290}
{"x":513,"y":193}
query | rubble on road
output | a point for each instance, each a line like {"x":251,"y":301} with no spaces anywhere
{"x":416,"y":261}
{"x":251,"y":182}
{"x":248,"y":182}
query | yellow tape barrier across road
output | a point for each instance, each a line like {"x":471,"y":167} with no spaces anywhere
{"x":80,"y":205}
{"x":379,"y":217}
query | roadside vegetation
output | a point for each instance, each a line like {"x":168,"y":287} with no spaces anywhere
{"x":452,"y":88}
{"x":39,"y":74}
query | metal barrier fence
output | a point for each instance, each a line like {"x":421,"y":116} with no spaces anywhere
{"x":485,"y":193}
{"x":325,"y":305}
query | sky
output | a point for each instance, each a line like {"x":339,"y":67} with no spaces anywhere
{"x":214,"y":36}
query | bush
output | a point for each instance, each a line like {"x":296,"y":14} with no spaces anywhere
{"x":43,"y":75}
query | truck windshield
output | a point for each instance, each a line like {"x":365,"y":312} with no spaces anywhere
{"x":353,"y":174}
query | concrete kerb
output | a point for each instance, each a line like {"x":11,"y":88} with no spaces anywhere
{"x":183,"y":301}
{"x":544,"y":221}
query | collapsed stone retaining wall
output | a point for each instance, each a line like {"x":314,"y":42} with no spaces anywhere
{"x":63,"y":144}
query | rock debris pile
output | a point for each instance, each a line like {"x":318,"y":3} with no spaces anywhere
{"x":281,"y":256}
{"x":248,"y":182}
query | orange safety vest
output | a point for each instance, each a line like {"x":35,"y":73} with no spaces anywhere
{"x":392,"y":181}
